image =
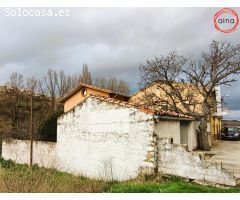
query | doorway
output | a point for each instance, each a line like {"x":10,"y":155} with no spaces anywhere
{"x":184,"y":132}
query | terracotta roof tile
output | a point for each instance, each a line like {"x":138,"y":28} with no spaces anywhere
{"x":144,"y":109}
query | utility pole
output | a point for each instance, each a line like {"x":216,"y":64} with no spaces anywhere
{"x":31,"y":128}
{"x":31,"y":84}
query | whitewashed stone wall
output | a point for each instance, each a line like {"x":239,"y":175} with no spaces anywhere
{"x":104,"y":140}
{"x":168,"y":129}
{"x":44,"y":153}
{"x":175,"y":159}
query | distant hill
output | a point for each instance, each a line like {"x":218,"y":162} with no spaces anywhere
{"x":230,"y":123}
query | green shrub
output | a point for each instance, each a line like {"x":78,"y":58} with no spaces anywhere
{"x":48,"y":128}
{"x":6,"y":163}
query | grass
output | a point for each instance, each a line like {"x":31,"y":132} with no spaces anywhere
{"x":21,"y":178}
{"x":168,"y":187}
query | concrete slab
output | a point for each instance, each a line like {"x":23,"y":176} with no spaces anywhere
{"x":228,"y":153}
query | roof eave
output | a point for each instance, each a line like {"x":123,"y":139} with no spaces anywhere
{"x":176,"y":118}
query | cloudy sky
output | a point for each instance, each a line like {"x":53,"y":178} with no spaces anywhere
{"x":112,"y":41}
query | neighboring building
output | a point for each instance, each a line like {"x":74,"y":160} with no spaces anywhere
{"x":187,"y":90}
{"x":82,"y":91}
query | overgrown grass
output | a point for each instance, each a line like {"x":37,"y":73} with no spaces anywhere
{"x":21,"y":178}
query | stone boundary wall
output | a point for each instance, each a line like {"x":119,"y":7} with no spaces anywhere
{"x":169,"y":158}
{"x":44,"y":153}
{"x":175,"y":159}
{"x":48,"y":154}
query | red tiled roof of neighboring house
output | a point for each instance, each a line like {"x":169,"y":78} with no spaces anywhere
{"x":147,"y":110}
{"x":81,"y":85}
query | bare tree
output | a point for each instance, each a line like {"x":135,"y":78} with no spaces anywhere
{"x":51,"y":87}
{"x":31,"y":86}
{"x":15,"y":85}
{"x":113,"y":84}
{"x":16,"y":81}
{"x":61,"y":83}
{"x":123,"y":87}
{"x":86,"y":77}
{"x":194,"y":97}
{"x":101,"y":82}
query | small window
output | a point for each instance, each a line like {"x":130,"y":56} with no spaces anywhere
{"x":84,"y":92}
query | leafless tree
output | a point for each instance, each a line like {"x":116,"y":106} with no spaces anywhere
{"x":123,"y":87}
{"x":15,"y":85}
{"x":50,"y":87}
{"x":86,"y":77}
{"x":61,"y":83}
{"x":194,"y":97}
{"x":101,"y":82}
{"x":31,"y":86}
{"x":113,"y":84}
{"x":16,"y":81}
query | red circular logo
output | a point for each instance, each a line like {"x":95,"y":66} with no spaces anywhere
{"x":226,"y":20}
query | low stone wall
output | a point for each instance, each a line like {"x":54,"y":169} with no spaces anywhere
{"x":175,"y":159}
{"x":44,"y":153}
{"x":169,"y":158}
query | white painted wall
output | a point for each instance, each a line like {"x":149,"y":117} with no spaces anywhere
{"x":168,"y":129}
{"x":44,"y":153}
{"x":175,"y":159}
{"x":99,"y":138}
{"x":171,"y":129}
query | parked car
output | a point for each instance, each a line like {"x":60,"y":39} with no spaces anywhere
{"x":238,"y":127}
{"x":230,"y":132}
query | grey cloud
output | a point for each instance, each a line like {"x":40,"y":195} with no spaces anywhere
{"x":112,"y":41}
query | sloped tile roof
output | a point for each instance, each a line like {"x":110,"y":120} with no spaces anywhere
{"x":81,"y":85}
{"x":147,"y":110}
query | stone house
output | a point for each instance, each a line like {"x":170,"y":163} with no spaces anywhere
{"x":180,"y":128}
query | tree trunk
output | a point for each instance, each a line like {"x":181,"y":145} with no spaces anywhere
{"x":203,"y":135}
{"x":53,"y":103}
